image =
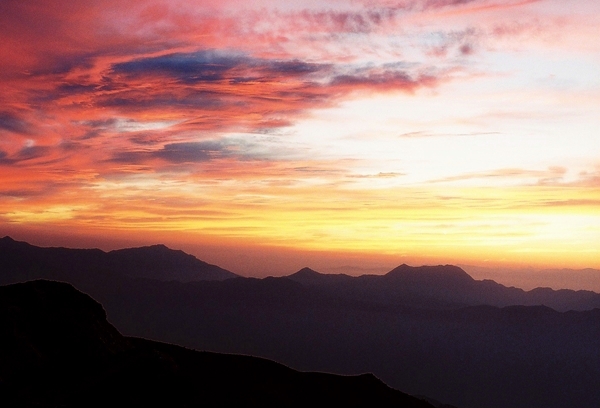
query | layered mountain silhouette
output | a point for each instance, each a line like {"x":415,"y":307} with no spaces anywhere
{"x":443,"y":286}
{"x":59,"y":350}
{"x":431,"y":331}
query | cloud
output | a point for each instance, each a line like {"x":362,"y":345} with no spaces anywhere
{"x":179,"y":153}
{"x":423,"y":134}
{"x":476,"y":5}
{"x":306,"y":78}
{"x":204,"y":66}
{"x":550,"y":176}
{"x":591,"y":203}
{"x":37,"y":188}
{"x":466,"y":49}
{"x":25,"y":154}
{"x":433,"y":4}
{"x":219,"y":90}
{"x":357,"y":22}
{"x":21,"y":193}
{"x":380,"y":175}
{"x":147,"y":139}
{"x":211,"y":67}
{"x":376,"y":15}
{"x":214,"y":66}
{"x":62,"y":64}
{"x":384,"y":81}
{"x":13,"y":123}
{"x":589,"y":178}
{"x":190,"y":152}
{"x":31,"y":152}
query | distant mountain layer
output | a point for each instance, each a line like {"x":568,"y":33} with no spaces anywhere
{"x":59,"y":350}
{"x":19,"y":259}
{"x":443,"y":286}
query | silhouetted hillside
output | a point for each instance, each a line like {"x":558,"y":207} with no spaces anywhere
{"x":59,"y":350}
{"x":21,"y":261}
{"x":477,"y":356}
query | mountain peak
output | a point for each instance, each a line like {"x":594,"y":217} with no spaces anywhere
{"x":441,"y":272}
{"x":160,"y":247}
{"x":307,"y":276}
{"x":306,"y":272}
{"x":163,"y":263}
{"x":8,"y":241}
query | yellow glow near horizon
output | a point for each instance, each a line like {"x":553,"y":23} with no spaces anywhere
{"x":474,"y":224}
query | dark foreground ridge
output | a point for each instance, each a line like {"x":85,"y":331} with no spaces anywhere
{"x":59,"y":350}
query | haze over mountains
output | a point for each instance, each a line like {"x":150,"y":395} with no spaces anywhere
{"x":529,"y":278}
{"x":431,"y":331}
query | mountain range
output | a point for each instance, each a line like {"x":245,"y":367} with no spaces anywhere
{"x":431,"y":331}
{"x":443,"y":286}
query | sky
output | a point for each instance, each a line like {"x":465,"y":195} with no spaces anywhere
{"x":267,"y":135}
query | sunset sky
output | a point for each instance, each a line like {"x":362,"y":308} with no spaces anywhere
{"x":265,"y":135}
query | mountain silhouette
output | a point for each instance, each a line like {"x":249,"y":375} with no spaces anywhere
{"x":441,"y":287}
{"x":22,"y":260}
{"x":438,"y":287}
{"x":449,"y":273}
{"x":428,"y":330}
{"x":309,"y":276}
{"x":161,"y":263}
{"x":59,"y":350}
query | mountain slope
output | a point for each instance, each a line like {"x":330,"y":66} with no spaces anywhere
{"x":59,"y":350}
